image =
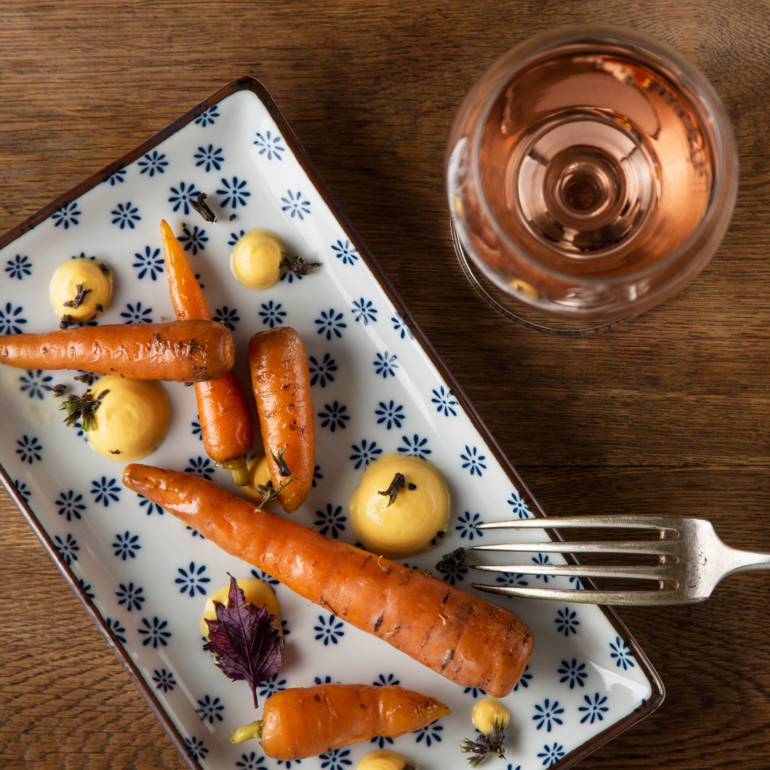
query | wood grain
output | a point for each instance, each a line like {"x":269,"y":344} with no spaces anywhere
{"x":668,"y":413}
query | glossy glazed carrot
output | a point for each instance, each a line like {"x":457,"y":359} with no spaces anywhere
{"x":281,"y":383}
{"x":305,"y":722}
{"x":224,"y":416}
{"x":463,"y":637}
{"x":189,"y":351}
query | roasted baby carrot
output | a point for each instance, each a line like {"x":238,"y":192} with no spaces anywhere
{"x":307,"y":721}
{"x":281,"y":383}
{"x":189,"y":351}
{"x":224,"y":416}
{"x":463,"y":637}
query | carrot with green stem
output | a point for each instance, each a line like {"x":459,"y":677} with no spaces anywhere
{"x":188,"y":351}
{"x":463,"y":637}
{"x":307,"y":721}
{"x":281,"y":382}
{"x":224,"y":416}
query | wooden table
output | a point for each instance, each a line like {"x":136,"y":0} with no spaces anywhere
{"x":670,"y":413}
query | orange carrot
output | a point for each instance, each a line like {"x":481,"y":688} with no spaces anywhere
{"x":189,"y":351}
{"x":281,"y":382}
{"x":224,"y":416}
{"x":463,"y":637}
{"x":307,"y":721}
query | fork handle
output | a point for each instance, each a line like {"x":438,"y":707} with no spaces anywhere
{"x":745,"y":561}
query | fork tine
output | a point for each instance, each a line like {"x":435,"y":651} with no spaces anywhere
{"x":667,"y":547}
{"x":595,"y":521}
{"x":647,"y":597}
{"x":637,"y":572}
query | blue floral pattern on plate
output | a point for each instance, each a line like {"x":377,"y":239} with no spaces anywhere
{"x":376,"y":391}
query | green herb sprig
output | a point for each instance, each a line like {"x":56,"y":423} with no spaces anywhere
{"x":485,"y":745}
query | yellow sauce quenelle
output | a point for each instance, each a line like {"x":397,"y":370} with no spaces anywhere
{"x":80,"y":289}
{"x":132,"y":417}
{"x":382,"y":759}
{"x":259,"y":478}
{"x":487,"y":712}
{"x":256,"y":259}
{"x":256,"y":591}
{"x":400,"y":507}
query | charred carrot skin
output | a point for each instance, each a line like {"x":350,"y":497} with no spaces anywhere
{"x":281,"y":383}
{"x":187,"y":351}
{"x":224,"y":417}
{"x":305,"y":722}
{"x":463,"y":637}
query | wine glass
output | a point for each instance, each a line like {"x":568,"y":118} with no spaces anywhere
{"x":590,"y":172}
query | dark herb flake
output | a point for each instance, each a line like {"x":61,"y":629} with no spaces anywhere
{"x":297,"y":265}
{"x":398,"y":483}
{"x":203,"y":208}
{"x":80,"y":296}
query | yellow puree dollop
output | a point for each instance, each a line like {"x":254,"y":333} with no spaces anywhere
{"x":256,"y":259}
{"x":412,"y":521}
{"x":256,"y":591}
{"x":131,"y":420}
{"x":81,"y":289}
{"x":382,"y":759}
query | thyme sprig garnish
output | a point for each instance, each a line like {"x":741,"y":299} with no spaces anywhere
{"x":199,"y":204}
{"x":80,"y":296}
{"x":269,"y":493}
{"x":82,"y":408}
{"x":485,"y":745}
{"x":280,"y":461}
{"x":297,"y":265}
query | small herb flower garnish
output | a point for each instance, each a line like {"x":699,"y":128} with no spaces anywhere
{"x":451,"y":562}
{"x":82,"y":408}
{"x":244,"y":640}
{"x":484,"y":745}
{"x":398,"y":483}
{"x":199,"y":204}
{"x":79,"y":298}
{"x":297,"y":265}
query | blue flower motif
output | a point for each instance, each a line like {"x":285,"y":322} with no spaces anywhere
{"x":345,"y":252}
{"x":336,"y":759}
{"x":542,"y":558}
{"x":195,"y":745}
{"x":518,"y":506}
{"x":196,"y":428}
{"x":511,"y":767}
{"x":22,"y":489}
{"x":329,"y":629}
{"x":526,"y":678}
{"x":272,"y":313}
{"x":269,"y":145}
{"x":164,"y":680}
{"x":473,"y":460}
{"x":149,"y":506}
{"x":364,"y":311}
{"x":287,"y":763}
{"x":148,"y":262}
{"x":595,"y":708}
{"x":445,"y":401}
{"x":384,"y":680}
{"x":227,"y":316}
{"x":334,"y":416}
{"x":400,"y":327}
{"x":330,"y":323}
{"x":251,"y":761}
{"x":11,"y":319}
{"x":131,"y":596}
{"x":210,"y":709}
{"x":474,"y":692}
{"x":331,"y":521}
{"x":415,"y":446}
{"x":200,"y":466}
{"x":548,"y":714}
{"x":105,"y":491}
{"x":18,"y":267}
{"x":117,"y":178}
{"x":551,"y":754}
{"x":193,"y":240}
{"x":365,"y":453}
{"x":181,"y":195}
{"x":209,"y":157}
{"x":430,"y":734}
{"x":271,"y":686}
{"x":68,"y":548}
{"x":321,"y":372}
{"x":381,"y":741}
{"x":191,"y":580}
{"x":264,"y":577}
{"x":125,"y":215}
{"x":87,"y":590}
{"x":70,"y":505}
{"x":136,"y":314}
{"x":573,"y":672}
{"x":152,"y":163}
{"x":234,"y":191}
{"x":466,"y":525}
{"x":620,"y":653}
{"x":117,"y":629}
{"x":391,"y":414}
{"x":35,"y":383}
{"x":295,"y":205}
{"x":385,"y":364}
{"x":126,"y":545}
{"x":208,"y":116}
{"x":511,"y":579}
{"x":566,"y":621}
{"x":67,"y":216}
{"x":29,"y":449}
{"x":452,"y":571}
{"x":155,"y":632}
{"x":235,"y":237}
{"x":317,"y":475}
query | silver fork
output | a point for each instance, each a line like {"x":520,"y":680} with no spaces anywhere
{"x":692,"y":560}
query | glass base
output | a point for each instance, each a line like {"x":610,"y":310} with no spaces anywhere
{"x":516,"y":310}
